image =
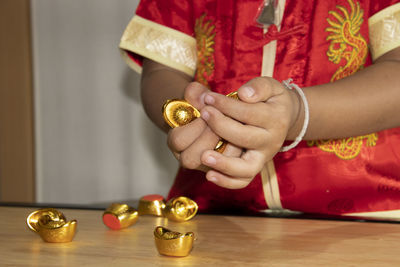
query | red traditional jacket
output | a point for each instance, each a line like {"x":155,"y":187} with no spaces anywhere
{"x":219,"y":43}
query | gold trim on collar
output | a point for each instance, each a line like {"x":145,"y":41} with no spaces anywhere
{"x":159,"y":43}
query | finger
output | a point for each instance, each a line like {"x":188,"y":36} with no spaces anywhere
{"x":182,"y":137}
{"x":194,"y":94}
{"x":226,"y":181}
{"x":200,"y":168}
{"x":253,"y":114}
{"x":246,"y":167}
{"x":232,"y":151}
{"x":191,"y":157}
{"x":247,"y":136}
{"x":260,"y":89}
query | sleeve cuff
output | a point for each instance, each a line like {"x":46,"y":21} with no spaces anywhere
{"x":157,"y":42}
{"x":384,"y":31}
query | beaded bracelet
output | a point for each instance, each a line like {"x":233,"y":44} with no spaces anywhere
{"x":289,"y":85}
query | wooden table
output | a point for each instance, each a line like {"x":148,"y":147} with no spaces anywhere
{"x":221,"y":241}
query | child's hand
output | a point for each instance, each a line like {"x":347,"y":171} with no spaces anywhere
{"x":188,"y":142}
{"x":259,"y":124}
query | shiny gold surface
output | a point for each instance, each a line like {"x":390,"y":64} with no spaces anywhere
{"x":50,"y":213}
{"x":151,"y":207}
{"x":59,"y":234}
{"x":179,"y":112}
{"x":123,"y":216}
{"x":221,"y":145}
{"x":51,"y":225}
{"x":172,"y":243}
{"x":233,"y":95}
{"x":221,"y":240}
{"x":180,"y":209}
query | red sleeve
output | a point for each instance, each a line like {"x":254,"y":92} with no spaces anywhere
{"x":376,"y":6}
{"x":163,"y":31}
{"x":177,"y":15}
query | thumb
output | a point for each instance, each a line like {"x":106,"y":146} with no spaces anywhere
{"x":259,"y":89}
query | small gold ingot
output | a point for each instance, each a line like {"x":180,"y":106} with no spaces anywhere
{"x":178,"y":112}
{"x":118,"y":216}
{"x":51,"y":225}
{"x":171,"y":243}
{"x":180,"y":209}
{"x":151,"y":205}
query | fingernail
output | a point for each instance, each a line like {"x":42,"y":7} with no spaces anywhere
{"x":248,"y":91}
{"x":212,"y":179}
{"x":211,"y":160}
{"x":209,"y":99}
{"x":205,"y":115}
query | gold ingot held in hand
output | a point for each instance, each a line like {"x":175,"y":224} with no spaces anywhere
{"x":180,"y":209}
{"x":118,"y":216}
{"x":221,"y":145}
{"x":233,"y":95}
{"x":178,"y":112}
{"x":151,"y":205}
{"x":51,"y":225}
{"x":171,"y":243}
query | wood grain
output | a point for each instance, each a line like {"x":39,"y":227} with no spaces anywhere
{"x":220,"y":241}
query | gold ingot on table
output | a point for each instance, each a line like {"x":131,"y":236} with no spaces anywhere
{"x":51,"y":225}
{"x":171,"y":243}
{"x":151,"y":205}
{"x":118,"y":216}
{"x":180,"y":209}
{"x":178,"y":112}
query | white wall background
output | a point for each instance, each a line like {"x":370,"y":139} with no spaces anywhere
{"x":93,"y":141}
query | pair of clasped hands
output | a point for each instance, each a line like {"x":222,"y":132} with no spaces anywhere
{"x":255,"y":127}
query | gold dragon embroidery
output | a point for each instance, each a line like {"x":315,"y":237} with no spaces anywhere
{"x":205,"y":34}
{"x":346,"y":44}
